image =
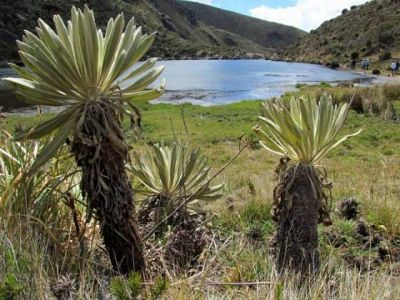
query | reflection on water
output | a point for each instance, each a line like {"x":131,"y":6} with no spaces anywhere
{"x":215,"y":82}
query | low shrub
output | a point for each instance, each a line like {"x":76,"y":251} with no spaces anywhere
{"x":355,"y":55}
{"x":386,"y":37}
{"x":391,"y":92}
{"x":373,"y":101}
{"x":335,"y":65}
{"x":38,"y":194}
{"x":385,"y":56}
{"x":324,"y":84}
{"x":126,"y":288}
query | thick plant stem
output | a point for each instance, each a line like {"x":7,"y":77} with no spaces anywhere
{"x":118,"y":227}
{"x":297,"y":232}
{"x":100,"y":151}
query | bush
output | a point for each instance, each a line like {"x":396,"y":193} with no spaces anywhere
{"x":345,"y":11}
{"x":373,"y":101}
{"x":126,"y":288}
{"x":335,"y":65}
{"x":391,"y":92}
{"x":298,"y":86}
{"x":324,"y":84}
{"x":10,"y":288}
{"x":355,"y":55}
{"x":385,"y":56}
{"x":386,"y":37}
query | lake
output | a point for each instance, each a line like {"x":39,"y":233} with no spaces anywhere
{"x":215,"y":82}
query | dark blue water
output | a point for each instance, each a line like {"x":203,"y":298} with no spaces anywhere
{"x":216,"y":82}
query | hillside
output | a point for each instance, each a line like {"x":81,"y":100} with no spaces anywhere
{"x":369,"y":30}
{"x":267,"y":34}
{"x":184,"y":30}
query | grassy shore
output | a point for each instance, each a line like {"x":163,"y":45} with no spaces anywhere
{"x":367,"y":168}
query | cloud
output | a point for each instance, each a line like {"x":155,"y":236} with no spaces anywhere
{"x":208,"y":2}
{"x":304,"y":14}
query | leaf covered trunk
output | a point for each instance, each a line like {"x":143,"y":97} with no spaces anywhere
{"x":297,"y":232}
{"x":101,"y":152}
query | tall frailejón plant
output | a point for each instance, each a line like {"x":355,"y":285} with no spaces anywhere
{"x":92,"y":75}
{"x":302,"y":132}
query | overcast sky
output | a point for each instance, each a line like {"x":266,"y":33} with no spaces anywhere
{"x":304,"y":14}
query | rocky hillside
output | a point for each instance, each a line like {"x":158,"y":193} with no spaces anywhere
{"x":185,"y":29}
{"x":268,"y":34}
{"x":369,"y":30}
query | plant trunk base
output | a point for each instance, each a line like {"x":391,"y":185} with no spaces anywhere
{"x":297,"y":232}
{"x":101,"y":152}
{"x":125,"y":251}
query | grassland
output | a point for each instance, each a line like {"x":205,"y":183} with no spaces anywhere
{"x":367,"y":168}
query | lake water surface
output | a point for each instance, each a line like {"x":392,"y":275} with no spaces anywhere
{"x":215,"y":82}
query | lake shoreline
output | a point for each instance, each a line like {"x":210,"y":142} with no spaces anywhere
{"x":259,"y":79}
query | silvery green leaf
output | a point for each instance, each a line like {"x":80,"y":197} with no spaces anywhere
{"x":174,"y":172}
{"x":306,"y":131}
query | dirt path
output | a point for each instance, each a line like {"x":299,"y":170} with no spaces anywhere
{"x":378,"y":79}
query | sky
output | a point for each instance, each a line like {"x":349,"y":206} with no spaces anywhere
{"x":303,"y":14}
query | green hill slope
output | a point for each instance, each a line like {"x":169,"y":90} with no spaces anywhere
{"x":184,"y":28}
{"x":372,"y":30}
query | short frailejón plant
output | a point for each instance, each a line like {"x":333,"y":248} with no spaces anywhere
{"x":173,"y":177}
{"x":20,"y":194}
{"x":92,"y":74}
{"x":302,"y":132}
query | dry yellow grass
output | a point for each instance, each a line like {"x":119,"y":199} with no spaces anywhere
{"x":366,"y":168}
